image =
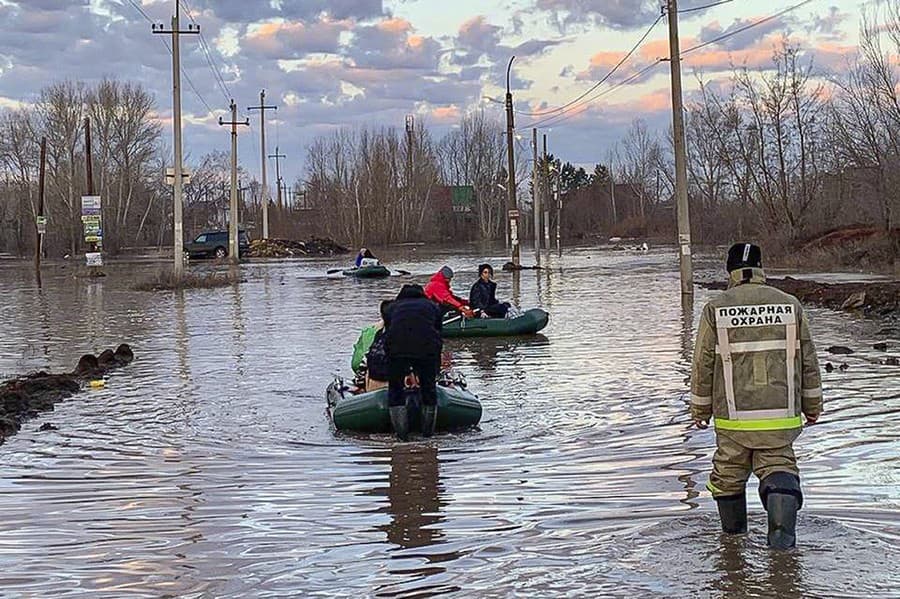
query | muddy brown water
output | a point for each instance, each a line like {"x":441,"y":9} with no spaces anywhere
{"x":208,"y":468}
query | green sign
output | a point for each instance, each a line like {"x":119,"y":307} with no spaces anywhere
{"x":462,"y":197}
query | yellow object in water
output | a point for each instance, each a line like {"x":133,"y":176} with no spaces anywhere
{"x":98,"y":384}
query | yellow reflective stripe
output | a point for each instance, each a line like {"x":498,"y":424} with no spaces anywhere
{"x":767,"y":424}
{"x":713,"y":488}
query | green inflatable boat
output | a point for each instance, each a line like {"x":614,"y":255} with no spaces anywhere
{"x":528,"y":323}
{"x":376,"y":271}
{"x":368,"y":412}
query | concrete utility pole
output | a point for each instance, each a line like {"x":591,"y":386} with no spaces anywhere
{"x":234,"y":216}
{"x":536,"y":196}
{"x":681,"y":196}
{"x":559,"y":216}
{"x":278,"y":158}
{"x":178,"y":229}
{"x":262,"y":108}
{"x":512,"y":209}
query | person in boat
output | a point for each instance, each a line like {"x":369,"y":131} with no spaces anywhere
{"x":483,"y":295}
{"x":370,"y":362}
{"x":365,"y":258}
{"x":755,"y":372}
{"x":438,"y":290}
{"x":413,"y":343}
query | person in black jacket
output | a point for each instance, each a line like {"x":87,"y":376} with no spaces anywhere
{"x":483,"y":295}
{"x":413,"y":341}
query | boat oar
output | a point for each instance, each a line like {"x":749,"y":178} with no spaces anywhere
{"x":400,"y":272}
{"x":332,"y":271}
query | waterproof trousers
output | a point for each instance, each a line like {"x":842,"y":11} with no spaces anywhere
{"x":426,"y":367}
{"x":733,"y":463}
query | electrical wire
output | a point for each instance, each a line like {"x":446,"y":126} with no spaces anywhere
{"x":704,"y":7}
{"x":762,"y":21}
{"x":567,"y":114}
{"x":204,"y":45}
{"x":602,"y":80}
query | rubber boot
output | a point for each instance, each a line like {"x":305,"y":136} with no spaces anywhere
{"x":429,"y":420}
{"x":400,"y":421}
{"x":782,"y":511}
{"x":781,"y":496}
{"x":733,"y":513}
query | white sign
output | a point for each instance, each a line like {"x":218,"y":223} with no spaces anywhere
{"x":733,"y":317}
{"x":94,"y":258}
{"x":90,"y":205}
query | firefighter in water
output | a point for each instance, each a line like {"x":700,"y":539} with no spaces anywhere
{"x":754,"y":372}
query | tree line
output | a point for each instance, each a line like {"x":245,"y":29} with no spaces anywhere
{"x":783,"y":155}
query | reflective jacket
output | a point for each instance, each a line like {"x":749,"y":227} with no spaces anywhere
{"x":755,"y":368}
{"x":438,"y":290}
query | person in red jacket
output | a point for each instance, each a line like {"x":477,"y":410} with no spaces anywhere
{"x":438,"y":290}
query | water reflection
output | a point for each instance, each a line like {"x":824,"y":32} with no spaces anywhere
{"x":746,"y":569}
{"x":415,"y":496}
{"x":486,"y":353}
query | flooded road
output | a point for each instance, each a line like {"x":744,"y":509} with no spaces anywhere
{"x":208,"y":468}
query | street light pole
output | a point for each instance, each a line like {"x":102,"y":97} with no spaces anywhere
{"x":512,"y":211}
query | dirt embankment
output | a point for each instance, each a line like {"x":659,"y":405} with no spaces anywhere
{"x":873,"y":299}
{"x":27,"y":396}
{"x":867,"y":248}
{"x":285,"y":248}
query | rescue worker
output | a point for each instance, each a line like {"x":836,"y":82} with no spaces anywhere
{"x":483,"y":295}
{"x":754,"y":372}
{"x":438,"y":290}
{"x":413,"y":343}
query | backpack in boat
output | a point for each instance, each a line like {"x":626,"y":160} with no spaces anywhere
{"x":377,"y":358}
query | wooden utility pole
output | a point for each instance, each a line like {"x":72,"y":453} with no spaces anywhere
{"x":512,"y":209}
{"x":262,"y":108}
{"x":178,"y":183}
{"x":545,"y":189}
{"x":234,"y":216}
{"x":40,"y":223}
{"x":536,"y":196}
{"x":612,"y":197}
{"x":278,"y":158}
{"x":681,"y":195}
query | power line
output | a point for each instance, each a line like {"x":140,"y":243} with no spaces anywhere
{"x":762,"y":21}
{"x":140,"y":10}
{"x":704,"y":7}
{"x":204,"y":45}
{"x":605,"y":77}
{"x":566,"y":115}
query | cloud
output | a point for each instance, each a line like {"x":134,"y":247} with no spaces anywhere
{"x":279,"y":40}
{"x":829,"y":25}
{"x":737,"y":41}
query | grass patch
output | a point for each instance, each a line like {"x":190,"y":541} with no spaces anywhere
{"x":166,"y":281}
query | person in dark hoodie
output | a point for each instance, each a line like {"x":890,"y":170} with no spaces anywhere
{"x":413,"y":342}
{"x":483,"y":295}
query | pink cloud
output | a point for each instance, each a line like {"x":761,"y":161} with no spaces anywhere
{"x":446,"y":114}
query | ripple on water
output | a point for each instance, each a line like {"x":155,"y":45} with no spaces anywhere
{"x":208,"y":467}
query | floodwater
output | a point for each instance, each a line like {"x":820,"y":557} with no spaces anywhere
{"x":207,"y":468}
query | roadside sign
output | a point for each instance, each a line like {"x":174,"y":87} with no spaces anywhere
{"x":41,"y":225}
{"x":513,"y":214}
{"x":94,"y":258}
{"x":90,"y":205}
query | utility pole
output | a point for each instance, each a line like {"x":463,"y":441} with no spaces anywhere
{"x":234,"y":216}
{"x":545,"y":189}
{"x":89,"y":174}
{"x":40,"y":223}
{"x":612,"y":197}
{"x":512,"y":210}
{"x":178,"y":229}
{"x":681,"y":195}
{"x":277,"y":158}
{"x":410,"y":129}
{"x":262,"y":108}
{"x":559,"y":216}
{"x":536,"y":196}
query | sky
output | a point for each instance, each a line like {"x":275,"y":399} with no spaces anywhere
{"x":329,"y":64}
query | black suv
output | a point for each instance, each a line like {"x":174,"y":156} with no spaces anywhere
{"x":214,"y":244}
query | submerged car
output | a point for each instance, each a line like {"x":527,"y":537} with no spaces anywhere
{"x":214,"y":244}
